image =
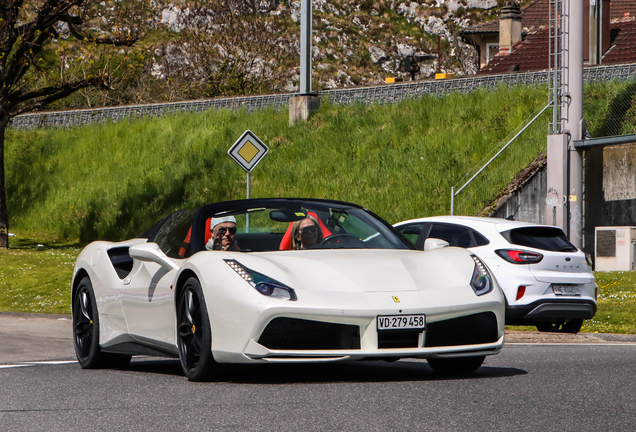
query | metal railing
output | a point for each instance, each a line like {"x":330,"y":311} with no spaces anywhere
{"x":454,"y":194}
{"x":497,"y":167}
{"x":389,"y":93}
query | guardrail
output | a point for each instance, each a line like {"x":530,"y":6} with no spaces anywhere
{"x":389,"y":93}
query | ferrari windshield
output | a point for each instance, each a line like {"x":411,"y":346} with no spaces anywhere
{"x":286,"y":224}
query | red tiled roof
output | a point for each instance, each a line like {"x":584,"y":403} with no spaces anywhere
{"x":529,"y":54}
{"x":622,"y":9}
{"x":536,"y":14}
{"x":533,"y":14}
{"x":486,"y":27}
{"x":532,"y":53}
{"x":623,"y":48}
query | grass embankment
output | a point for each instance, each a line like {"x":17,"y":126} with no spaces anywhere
{"x":111,"y":181}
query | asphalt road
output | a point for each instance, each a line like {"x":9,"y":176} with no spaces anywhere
{"x":587,"y":383}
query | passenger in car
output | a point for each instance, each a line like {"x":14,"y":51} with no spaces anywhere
{"x":305,"y":233}
{"x":223,"y":237}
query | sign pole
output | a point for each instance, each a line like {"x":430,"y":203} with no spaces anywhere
{"x":248,"y":151}
{"x":247,"y":216}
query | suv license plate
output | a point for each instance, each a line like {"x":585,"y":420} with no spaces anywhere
{"x":401,"y":322}
{"x":566,"y":290}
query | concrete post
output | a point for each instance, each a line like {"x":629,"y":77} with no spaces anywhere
{"x":302,"y":105}
{"x":572,"y":113}
{"x":557,"y":182}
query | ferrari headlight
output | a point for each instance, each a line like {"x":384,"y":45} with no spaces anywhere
{"x":261,"y":283}
{"x":481,"y":282}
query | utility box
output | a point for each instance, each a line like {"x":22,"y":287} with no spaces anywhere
{"x":614,"y":248}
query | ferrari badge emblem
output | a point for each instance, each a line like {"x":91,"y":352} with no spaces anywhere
{"x":396,"y":299}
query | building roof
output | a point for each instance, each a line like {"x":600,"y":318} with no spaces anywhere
{"x":537,"y":14}
{"x":532,"y":53}
{"x":623,"y":47}
{"x":529,"y":54}
{"x":534,"y":14}
{"x":620,"y":9}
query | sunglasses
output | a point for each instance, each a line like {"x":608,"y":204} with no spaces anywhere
{"x":308,"y":230}
{"x":223,"y":230}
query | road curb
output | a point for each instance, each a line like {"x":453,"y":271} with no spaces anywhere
{"x":587,"y":338}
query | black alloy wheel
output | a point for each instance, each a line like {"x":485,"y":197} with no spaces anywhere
{"x":86,"y":331}
{"x":565,"y":326}
{"x":194,"y":335}
{"x":456,"y":366}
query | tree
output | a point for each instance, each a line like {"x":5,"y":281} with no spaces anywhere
{"x":50,"y":49}
{"x":230,"y":48}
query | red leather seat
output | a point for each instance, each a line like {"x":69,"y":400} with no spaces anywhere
{"x":285,"y":243}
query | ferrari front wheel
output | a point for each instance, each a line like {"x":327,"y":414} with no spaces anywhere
{"x":458,"y":365}
{"x":194,"y":334}
{"x":86,"y":331}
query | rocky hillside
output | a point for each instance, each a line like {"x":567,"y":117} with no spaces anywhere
{"x":245,"y":47}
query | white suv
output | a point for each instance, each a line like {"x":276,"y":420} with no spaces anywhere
{"x":547,"y":281}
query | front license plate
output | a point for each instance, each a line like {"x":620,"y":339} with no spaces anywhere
{"x":401,"y":322}
{"x":566,"y":290}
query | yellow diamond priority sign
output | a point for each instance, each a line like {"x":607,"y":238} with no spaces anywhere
{"x":248,"y":151}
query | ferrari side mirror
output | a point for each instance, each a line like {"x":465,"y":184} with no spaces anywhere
{"x":434,"y":243}
{"x":150,"y":252}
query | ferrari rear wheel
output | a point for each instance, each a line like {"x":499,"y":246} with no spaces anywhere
{"x":566,"y":326}
{"x":194,"y":334}
{"x":459,"y":365}
{"x":86,"y":331}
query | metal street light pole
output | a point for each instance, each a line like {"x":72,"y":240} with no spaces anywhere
{"x":305,"y":46}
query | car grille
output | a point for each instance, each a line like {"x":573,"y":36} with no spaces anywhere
{"x":398,"y":338}
{"x":300,"y":334}
{"x":472,"y":329}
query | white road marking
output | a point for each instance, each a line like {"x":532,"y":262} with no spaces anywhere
{"x":571,"y":344}
{"x":27,"y":364}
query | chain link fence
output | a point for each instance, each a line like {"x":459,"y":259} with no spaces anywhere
{"x":389,"y":93}
{"x":620,"y":117}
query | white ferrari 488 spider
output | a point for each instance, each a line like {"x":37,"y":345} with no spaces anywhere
{"x":282,"y":280}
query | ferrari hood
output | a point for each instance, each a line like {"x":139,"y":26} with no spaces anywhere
{"x":360,"y":270}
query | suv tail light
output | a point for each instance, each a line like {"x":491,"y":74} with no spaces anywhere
{"x":521,"y":291}
{"x":515,"y":256}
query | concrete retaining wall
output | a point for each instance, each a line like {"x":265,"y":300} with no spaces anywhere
{"x":610,"y":193}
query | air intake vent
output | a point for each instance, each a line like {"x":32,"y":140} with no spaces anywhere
{"x":473,"y":329}
{"x":121,"y":261}
{"x":299,"y":334}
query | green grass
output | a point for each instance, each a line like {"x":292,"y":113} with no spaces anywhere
{"x":111,"y":181}
{"x":616,"y":303}
{"x":36,"y":277}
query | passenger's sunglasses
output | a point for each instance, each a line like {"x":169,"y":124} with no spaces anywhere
{"x":309,"y":230}
{"x":223,"y":230}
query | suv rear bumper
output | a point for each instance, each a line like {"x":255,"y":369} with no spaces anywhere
{"x":548,"y":310}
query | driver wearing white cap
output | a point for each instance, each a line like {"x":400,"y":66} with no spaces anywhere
{"x":223,"y":234}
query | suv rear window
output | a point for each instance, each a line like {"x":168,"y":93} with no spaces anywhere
{"x":544,"y":238}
